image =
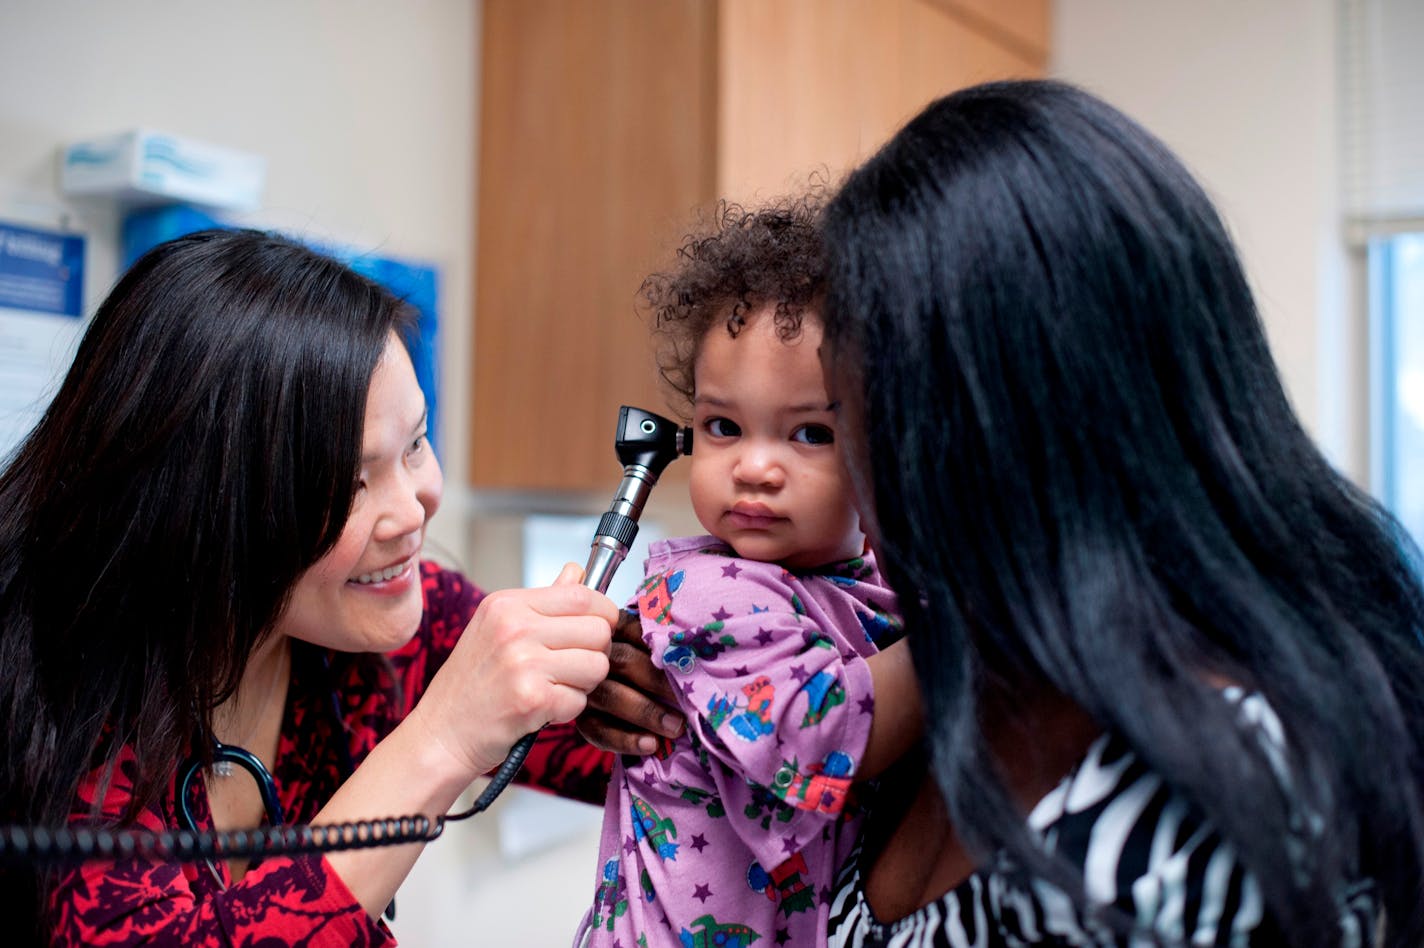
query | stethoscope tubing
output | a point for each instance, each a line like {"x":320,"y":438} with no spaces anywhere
{"x":245,"y":759}
{"x":249,"y":762}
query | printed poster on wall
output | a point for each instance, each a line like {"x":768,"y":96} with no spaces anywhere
{"x":41,"y":317}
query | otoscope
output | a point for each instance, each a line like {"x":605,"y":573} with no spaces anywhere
{"x":646,"y":444}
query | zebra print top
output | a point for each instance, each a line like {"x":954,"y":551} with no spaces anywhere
{"x":1141,"y":847}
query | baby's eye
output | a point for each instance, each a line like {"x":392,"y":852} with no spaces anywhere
{"x":814,"y":434}
{"x":418,"y":444}
{"x":721,"y":427}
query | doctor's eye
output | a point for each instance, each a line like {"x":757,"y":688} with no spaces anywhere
{"x":721,"y":427}
{"x":814,"y":434}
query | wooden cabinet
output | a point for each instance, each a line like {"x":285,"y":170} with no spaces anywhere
{"x":807,"y":84}
{"x":605,"y":123}
{"x":596,"y":135}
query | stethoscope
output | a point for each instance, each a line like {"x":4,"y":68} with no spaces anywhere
{"x":248,"y":761}
{"x":266,"y":784}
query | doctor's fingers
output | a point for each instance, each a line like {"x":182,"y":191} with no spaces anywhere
{"x":578,"y":621}
{"x":580,"y":668}
{"x":571,"y":600}
{"x":537,"y":684}
{"x":570,"y":632}
{"x":565,"y":703}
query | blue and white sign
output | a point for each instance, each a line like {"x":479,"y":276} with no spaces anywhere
{"x":41,"y":271}
{"x":41,"y":317}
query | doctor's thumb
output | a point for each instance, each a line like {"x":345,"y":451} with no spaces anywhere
{"x":571,"y":574}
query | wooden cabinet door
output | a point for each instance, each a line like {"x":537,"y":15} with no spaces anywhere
{"x":596,"y":138}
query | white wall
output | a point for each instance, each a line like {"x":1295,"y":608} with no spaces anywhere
{"x":1246,"y":95}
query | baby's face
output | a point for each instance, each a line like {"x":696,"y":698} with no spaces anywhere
{"x":767,"y":474}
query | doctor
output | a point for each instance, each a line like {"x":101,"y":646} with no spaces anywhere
{"x":214,"y":538}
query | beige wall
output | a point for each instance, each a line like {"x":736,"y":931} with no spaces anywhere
{"x":1246,"y":94}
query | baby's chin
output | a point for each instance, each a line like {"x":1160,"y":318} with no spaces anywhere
{"x":761,"y":552}
{"x":751,"y":549}
{"x":814,"y":559}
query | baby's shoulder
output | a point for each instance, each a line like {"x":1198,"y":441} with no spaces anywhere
{"x":705,"y":558}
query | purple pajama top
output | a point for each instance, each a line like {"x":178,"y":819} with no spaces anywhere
{"x":733,"y":832}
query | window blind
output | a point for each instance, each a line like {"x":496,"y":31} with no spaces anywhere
{"x":1382,"y":109}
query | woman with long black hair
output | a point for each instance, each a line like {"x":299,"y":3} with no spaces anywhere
{"x":211,"y":550}
{"x":1171,"y":660}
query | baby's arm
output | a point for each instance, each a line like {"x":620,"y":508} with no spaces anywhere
{"x":780,"y":709}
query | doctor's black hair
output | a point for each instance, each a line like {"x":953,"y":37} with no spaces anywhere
{"x":1084,"y":476}
{"x":739,"y":260}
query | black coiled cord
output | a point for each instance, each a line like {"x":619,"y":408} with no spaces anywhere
{"x":36,"y":845}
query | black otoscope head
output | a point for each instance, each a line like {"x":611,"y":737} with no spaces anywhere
{"x":646,"y":444}
{"x":649,"y":440}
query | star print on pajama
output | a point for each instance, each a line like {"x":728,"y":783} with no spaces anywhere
{"x":732,"y":833}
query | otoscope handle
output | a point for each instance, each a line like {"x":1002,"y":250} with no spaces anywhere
{"x":646,"y":444}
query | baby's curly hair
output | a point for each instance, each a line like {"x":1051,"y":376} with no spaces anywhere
{"x":740,"y":260}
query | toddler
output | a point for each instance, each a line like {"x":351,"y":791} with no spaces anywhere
{"x":732,"y":833}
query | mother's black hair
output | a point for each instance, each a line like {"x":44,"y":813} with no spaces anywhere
{"x":1086,"y":477}
{"x":201,"y":453}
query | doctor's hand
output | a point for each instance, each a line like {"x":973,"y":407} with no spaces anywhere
{"x":632,"y":710}
{"x":528,"y":658}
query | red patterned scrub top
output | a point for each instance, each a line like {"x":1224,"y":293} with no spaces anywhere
{"x":293,"y":900}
